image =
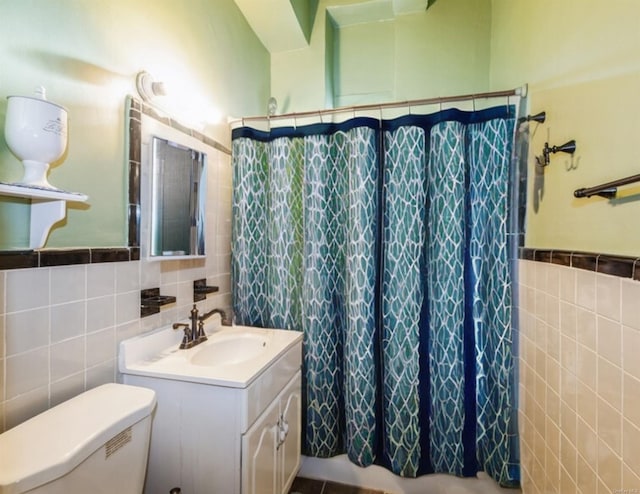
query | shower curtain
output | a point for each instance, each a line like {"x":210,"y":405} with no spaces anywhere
{"x":386,"y":243}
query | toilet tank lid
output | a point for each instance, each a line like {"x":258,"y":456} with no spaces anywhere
{"x":53,"y":443}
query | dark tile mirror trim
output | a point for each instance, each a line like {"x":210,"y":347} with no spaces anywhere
{"x":624,"y":267}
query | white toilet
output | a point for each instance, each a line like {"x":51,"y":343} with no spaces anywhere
{"x":95,"y":443}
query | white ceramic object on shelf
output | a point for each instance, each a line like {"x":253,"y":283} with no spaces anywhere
{"x":36,"y":132}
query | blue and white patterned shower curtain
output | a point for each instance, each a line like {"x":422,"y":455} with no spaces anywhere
{"x":386,"y":244}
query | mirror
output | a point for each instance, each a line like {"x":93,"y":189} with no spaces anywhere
{"x":177,"y":200}
{"x":173,"y":193}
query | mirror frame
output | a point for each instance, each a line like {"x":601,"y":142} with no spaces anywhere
{"x":152,"y":130}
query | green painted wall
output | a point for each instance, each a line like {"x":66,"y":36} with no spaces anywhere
{"x":581,"y":59}
{"x":87,"y":54}
{"x":442,"y":51}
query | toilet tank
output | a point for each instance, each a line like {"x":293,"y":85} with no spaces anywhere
{"x":97,"y":442}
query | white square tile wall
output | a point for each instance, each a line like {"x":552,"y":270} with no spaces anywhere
{"x":60,"y":326}
{"x":579,"y":407}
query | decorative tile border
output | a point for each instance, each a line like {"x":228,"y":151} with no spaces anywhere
{"x":13,"y":259}
{"x":134,"y":123}
{"x":624,"y":267}
{"x":138,"y":106}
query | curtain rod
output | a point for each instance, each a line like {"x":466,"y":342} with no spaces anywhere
{"x":380,"y":106}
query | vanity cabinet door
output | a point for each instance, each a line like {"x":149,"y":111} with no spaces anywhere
{"x":260,"y":453}
{"x":271,"y":446}
{"x":290,"y":430}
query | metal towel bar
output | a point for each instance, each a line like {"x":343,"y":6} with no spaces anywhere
{"x":607,"y":190}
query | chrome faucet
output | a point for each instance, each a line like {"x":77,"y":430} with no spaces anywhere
{"x":194,"y":334}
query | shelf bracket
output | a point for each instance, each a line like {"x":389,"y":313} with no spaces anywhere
{"x":48,"y":206}
{"x":44,"y":214}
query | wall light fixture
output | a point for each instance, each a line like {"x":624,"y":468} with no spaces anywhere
{"x":148,"y":88}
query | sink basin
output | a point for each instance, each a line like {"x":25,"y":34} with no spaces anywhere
{"x":230,"y":349}
{"x":231,"y":357}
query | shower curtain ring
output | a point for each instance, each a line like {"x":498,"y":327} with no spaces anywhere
{"x":320,"y":116}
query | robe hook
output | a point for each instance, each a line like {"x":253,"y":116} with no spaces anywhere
{"x":568,"y":147}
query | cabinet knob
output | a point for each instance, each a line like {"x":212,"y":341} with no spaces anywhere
{"x":283,"y":430}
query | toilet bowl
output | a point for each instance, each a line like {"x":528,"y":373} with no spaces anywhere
{"x":97,"y":442}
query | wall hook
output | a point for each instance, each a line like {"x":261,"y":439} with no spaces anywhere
{"x":568,"y":147}
{"x":538,"y":117}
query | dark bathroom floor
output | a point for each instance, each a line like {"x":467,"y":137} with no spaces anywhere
{"x":310,"y":486}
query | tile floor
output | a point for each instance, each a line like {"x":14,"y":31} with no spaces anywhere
{"x":310,"y":486}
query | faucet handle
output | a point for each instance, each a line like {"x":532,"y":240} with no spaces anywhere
{"x":178,"y":325}
{"x":201,"y":335}
{"x":186,"y":339}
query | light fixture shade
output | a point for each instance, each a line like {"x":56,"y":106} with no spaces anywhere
{"x":147,"y":87}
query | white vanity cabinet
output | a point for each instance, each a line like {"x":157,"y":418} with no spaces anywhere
{"x":212,"y":436}
{"x":271,"y":446}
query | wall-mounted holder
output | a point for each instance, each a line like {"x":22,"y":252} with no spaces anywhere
{"x":607,"y":190}
{"x":568,"y":147}
{"x":538,"y":117}
{"x":151,"y":301}
{"x":200,"y":290}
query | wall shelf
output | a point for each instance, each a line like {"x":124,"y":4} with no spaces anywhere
{"x":48,"y":206}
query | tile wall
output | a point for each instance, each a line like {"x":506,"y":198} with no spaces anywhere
{"x":579,"y":406}
{"x":60,"y":326}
